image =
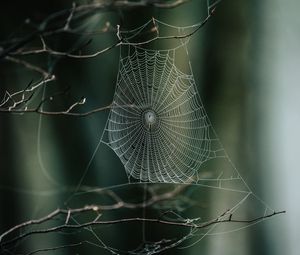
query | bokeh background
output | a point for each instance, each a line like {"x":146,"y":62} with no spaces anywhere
{"x":246,"y":63}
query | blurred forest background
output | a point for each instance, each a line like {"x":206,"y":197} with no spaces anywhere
{"x":246,"y":62}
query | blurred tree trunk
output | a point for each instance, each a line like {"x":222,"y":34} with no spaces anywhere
{"x":227,"y":94}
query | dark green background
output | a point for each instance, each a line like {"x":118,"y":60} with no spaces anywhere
{"x":246,"y":64}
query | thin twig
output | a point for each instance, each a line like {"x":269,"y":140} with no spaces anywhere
{"x":19,"y":97}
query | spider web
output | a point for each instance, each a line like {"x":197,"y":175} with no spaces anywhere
{"x":180,"y":139}
{"x":160,"y":132}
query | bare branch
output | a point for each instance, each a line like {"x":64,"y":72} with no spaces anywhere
{"x":78,"y":11}
{"x":97,"y":222}
{"x":119,"y":203}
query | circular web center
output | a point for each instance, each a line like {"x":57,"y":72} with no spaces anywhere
{"x":150,"y":117}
